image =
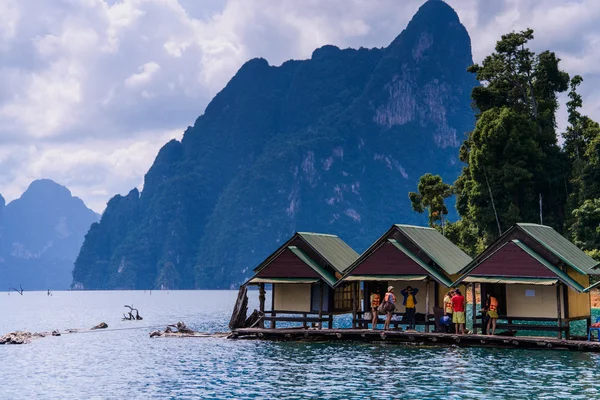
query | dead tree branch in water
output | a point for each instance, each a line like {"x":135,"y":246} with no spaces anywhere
{"x":17,"y":290}
{"x":129,"y":316}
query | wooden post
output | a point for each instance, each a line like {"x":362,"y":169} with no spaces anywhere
{"x":558,"y":310}
{"x":261,"y":300}
{"x":354,"y":302}
{"x":427,"y":304}
{"x":321,"y":307}
{"x":273,"y":314}
{"x":474,"y":307}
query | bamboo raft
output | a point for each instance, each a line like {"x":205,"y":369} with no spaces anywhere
{"x":415,"y":338}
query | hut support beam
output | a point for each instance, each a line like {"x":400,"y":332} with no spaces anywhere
{"x":321,"y":307}
{"x":353,"y":305}
{"x":273,"y":314}
{"x":558,"y":310}
{"x":474,"y":307}
{"x":427,"y":304}
{"x":261,"y":300}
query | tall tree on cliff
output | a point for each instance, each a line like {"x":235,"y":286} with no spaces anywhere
{"x":431,"y":196}
{"x":512,"y":156}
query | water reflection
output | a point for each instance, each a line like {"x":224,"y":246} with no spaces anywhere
{"x":127,"y":364}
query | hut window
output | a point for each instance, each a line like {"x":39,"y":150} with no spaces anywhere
{"x":342,"y":298}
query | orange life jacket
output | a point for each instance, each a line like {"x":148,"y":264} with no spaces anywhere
{"x":493,"y":304}
{"x":376,"y":300}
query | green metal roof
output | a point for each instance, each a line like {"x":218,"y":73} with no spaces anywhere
{"x":595,"y":285}
{"x":431,"y":270}
{"x":510,"y":280}
{"x":441,"y":250}
{"x":331,"y":248}
{"x":254,"y":281}
{"x":372,"y":278}
{"x":323,"y":273}
{"x":561,"y":247}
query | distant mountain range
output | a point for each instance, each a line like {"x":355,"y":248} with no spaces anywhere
{"x":40,"y":236}
{"x":329,"y":144}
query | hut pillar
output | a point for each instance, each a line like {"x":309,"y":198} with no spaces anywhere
{"x":427,"y":304}
{"x":558,"y":310}
{"x":321,"y":307}
{"x":261,"y":300}
{"x":474,"y":308}
{"x":353,"y":305}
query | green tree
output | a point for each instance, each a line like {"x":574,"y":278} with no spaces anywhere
{"x":512,"y":156}
{"x":586,"y":225}
{"x":431,"y":196}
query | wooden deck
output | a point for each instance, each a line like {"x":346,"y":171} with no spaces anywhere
{"x":415,"y":338}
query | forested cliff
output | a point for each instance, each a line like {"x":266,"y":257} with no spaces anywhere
{"x":330,"y":144}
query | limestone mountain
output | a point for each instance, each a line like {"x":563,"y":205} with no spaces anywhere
{"x":40,"y":236}
{"x":329,"y":144}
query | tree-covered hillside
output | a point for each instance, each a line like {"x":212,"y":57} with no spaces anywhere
{"x":515,"y":170}
{"x":329,"y":144}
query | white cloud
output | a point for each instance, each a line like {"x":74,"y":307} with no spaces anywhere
{"x":147,"y":71}
{"x":91,"y":89}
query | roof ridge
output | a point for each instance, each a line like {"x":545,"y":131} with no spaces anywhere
{"x":533,"y":224}
{"x":317,"y":234}
{"x":414,"y":226}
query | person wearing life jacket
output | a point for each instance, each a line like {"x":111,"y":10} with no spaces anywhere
{"x":491,"y":306}
{"x":390,"y":306}
{"x":448,"y":308}
{"x":375,"y":301}
{"x":410,"y":302}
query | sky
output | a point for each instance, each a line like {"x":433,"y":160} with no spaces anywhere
{"x":91,"y":89}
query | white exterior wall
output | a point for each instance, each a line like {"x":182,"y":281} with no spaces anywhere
{"x":292,"y":297}
{"x":540,"y":303}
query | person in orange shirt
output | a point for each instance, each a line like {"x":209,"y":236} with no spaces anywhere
{"x":491,"y":307}
{"x":375,"y":301}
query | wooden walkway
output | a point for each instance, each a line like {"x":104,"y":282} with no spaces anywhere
{"x":415,"y":338}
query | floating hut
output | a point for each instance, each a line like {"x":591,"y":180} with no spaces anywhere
{"x":408,"y":255}
{"x":540,"y":279}
{"x":303,"y":273}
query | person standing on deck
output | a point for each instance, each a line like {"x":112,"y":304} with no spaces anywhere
{"x":390,"y":306}
{"x":491,"y":306}
{"x":410,"y":302}
{"x":448,"y":308}
{"x":458,"y":314}
{"x":375,"y":301}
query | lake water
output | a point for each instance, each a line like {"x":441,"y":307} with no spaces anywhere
{"x":125,"y":363}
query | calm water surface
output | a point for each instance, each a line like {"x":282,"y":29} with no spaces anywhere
{"x":125,"y":363}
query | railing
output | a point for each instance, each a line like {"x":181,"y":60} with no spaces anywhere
{"x":360,"y":322}
{"x":540,"y":324}
{"x":305,"y":318}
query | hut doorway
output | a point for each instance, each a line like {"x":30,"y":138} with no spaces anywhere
{"x":498,"y":290}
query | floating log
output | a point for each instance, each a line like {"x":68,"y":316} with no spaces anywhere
{"x":101,"y":325}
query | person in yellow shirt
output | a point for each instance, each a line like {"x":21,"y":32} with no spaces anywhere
{"x":410,"y":302}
